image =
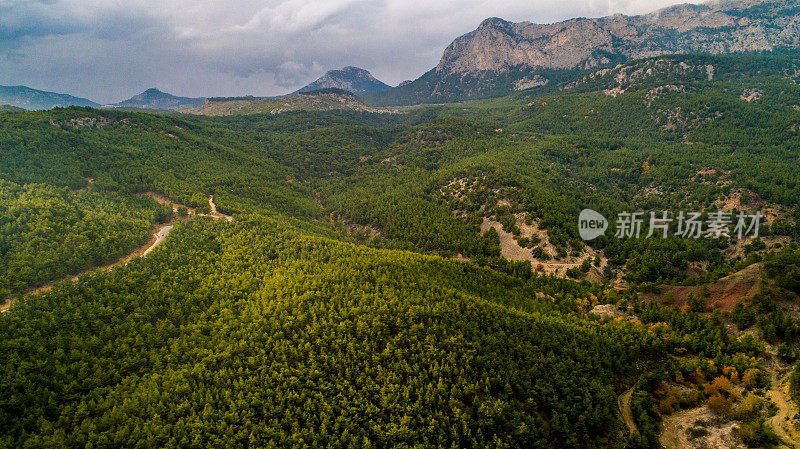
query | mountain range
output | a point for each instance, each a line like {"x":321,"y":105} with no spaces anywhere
{"x":393,"y":277}
{"x":326,"y":99}
{"x":34,"y":99}
{"x":314,"y":271}
{"x":501,"y":56}
{"x":27,"y":98}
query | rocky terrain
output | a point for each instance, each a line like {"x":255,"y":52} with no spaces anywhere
{"x":715,"y":27}
{"x":501,"y":56}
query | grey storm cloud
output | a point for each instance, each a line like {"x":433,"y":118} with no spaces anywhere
{"x":29,"y":19}
{"x":108,"y":50}
{"x":41,"y":18}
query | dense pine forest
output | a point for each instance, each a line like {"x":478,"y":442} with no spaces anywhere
{"x":407,"y":279}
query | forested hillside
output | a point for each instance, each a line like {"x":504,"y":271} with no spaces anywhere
{"x":48,"y":232}
{"x":252,"y":333}
{"x":407,"y":279}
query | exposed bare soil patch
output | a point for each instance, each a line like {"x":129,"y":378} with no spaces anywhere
{"x":723,"y":294}
{"x":698,"y":428}
{"x":510,"y":249}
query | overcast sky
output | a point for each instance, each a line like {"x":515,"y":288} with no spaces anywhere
{"x":109,"y":50}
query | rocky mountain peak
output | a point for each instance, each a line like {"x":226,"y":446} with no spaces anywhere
{"x":719,"y":27}
{"x":352,"y":79}
{"x":495,"y":23}
{"x":154,"y":98}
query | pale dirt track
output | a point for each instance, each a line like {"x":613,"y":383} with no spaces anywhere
{"x":722,"y":435}
{"x":624,"y":402}
{"x":159,"y":236}
{"x":214,"y":213}
{"x":787,"y":409}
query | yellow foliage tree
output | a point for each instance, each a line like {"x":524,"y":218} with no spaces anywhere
{"x":731,"y":373}
{"x":751,"y":378}
{"x":720,"y":404}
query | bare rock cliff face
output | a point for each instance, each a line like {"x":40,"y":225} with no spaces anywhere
{"x":718,"y":27}
{"x":500,"y":57}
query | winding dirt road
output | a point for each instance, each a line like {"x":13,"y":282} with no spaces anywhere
{"x":624,"y":403}
{"x":158,"y":238}
{"x":674,"y":433}
{"x":215,"y":214}
{"x":787,"y":410}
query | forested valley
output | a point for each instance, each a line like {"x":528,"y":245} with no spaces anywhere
{"x":409,"y":279}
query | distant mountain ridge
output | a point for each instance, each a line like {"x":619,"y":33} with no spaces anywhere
{"x":9,"y":108}
{"x":352,"y":79}
{"x":327,"y":99}
{"x":33,"y":99}
{"x":501,"y":56}
{"x":155,"y":99}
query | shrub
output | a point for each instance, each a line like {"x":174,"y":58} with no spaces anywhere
{"x":720,"y":404}
{"x":574,"y":272}
{"x":758,"y":434}
{"x":752,"y":378}
{"x":696,"y":303}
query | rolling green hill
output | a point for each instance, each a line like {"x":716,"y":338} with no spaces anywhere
{"x":254,"y":334}
{"x":399,"y":280}
{"x":315,"y":100}
{"x":9,"y":108}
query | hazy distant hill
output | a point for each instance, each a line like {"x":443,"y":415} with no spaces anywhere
{"x":9,"y":108}
{"x":31,"y":99}
{"x":351,"y":79}
{"x":500,"y":56}
{"x":156,"y":99}
{"x":318,"y":100}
